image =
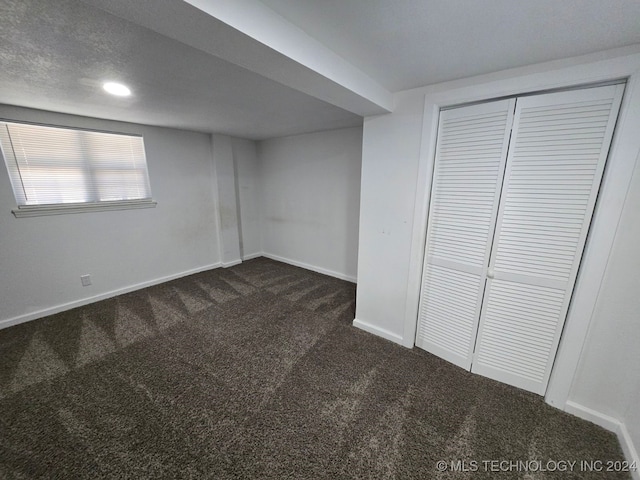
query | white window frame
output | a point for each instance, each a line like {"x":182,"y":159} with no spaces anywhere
{"x":34,"y":210}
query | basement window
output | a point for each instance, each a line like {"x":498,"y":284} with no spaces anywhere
{"x":57,"y":170}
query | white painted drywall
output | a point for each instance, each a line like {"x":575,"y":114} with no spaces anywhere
{"x":42,"y":258}
{"x":396,"y":173}
{"x":310,"y":199}
{"x":224,"y":187}
{"x":608,"y":376}
{"x":390,"y":153}
{"x":395,"y":178}
{"x":333,"y":79}
{"x":248,"y":196}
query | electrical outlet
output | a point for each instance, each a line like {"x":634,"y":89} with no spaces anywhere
{"x":86,"y":280}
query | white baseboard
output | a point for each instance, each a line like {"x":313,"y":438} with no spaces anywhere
{"x":313,"y":268}
{"x":612,"y":424}
{"x":381,"y":332}
{"x":252,"y":255}
{"x":103,"y":296}
{"x":604,"y":421}
{"x":231,"y":263}
{"x":629,"y":449}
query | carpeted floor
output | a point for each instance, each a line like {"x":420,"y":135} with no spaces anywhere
{"x":256,"y":372}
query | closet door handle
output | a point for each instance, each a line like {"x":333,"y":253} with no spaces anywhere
{"x":490,"y":273}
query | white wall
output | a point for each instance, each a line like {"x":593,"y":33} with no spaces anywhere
{"x":310,"y":199}
{"x":248,"y":189}
{"x":396,"y":175}
{"x":608,"y":377}
{"x":216,"y":197}
{"x":226,"y":197}
{"x":390,"y":154}
{"x":42,"y":258}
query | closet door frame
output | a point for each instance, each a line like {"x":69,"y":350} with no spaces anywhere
{"x":623,"y":155}
{"x":485,"y":272}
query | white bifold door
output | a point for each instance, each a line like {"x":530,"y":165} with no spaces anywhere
{"x":514,"y":187}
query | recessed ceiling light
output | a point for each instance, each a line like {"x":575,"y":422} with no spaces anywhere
{"x":116,"y":89}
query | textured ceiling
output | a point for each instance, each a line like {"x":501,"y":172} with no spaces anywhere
{"x":193,"y":71}
{"x":411,"y":43}
{"x":56,"y":53}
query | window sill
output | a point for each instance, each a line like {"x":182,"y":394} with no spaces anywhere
{"x":63,"y":209}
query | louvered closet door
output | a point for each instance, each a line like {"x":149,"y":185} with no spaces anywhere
{"x":469,"y":166}
{"x":556,"y":159}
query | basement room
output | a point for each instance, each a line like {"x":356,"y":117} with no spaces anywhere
{"x":305,"y":239}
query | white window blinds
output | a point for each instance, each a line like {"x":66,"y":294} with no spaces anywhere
{"x":54,"y":166}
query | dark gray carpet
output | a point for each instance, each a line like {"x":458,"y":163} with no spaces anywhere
{"x":255,"y":372}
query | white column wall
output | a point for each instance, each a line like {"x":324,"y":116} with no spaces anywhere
{"x":225,"y":191}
